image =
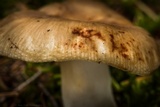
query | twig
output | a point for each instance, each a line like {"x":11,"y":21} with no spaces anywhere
{"x":42,"y":100}
{"x":28,"y":81}
{"x":2,"y":85}
{"x":143,"y":7}
{"x":16,"y":91}
{"x":6,"y":94}
{"x":48,"y":94}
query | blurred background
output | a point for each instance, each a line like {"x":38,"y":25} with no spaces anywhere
{"x":38,"y":84}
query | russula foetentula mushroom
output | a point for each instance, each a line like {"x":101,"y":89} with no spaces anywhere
{"x":74,"y":92}
{"x":36,"y":37}
{"x":78,"y":81}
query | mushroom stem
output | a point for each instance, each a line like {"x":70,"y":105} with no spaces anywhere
{"x":86,"y":84}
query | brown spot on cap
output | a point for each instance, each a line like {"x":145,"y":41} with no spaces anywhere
{"x":114,"y":47}
{"x":87,"y":33}
{"x":48,"y":30}
{"x":140,"y":59}
{"x":123,"y":48}
{"x":125,"y":56}
{"x":121,"y":32}
{"x":76,"y":31}
{"x":13,"y":45}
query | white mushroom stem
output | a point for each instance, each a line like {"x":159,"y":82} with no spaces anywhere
{"x":86,"y":84}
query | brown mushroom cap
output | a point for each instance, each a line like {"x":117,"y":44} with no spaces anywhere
{"x":36,"y":37}
{"x":84,"y":10}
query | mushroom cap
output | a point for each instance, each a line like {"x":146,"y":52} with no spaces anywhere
{"x":36,"y":37}
{"x":84,"y":10}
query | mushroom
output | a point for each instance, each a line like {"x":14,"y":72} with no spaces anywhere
{"x":84,"y":50}
{"x":87,"y":11}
